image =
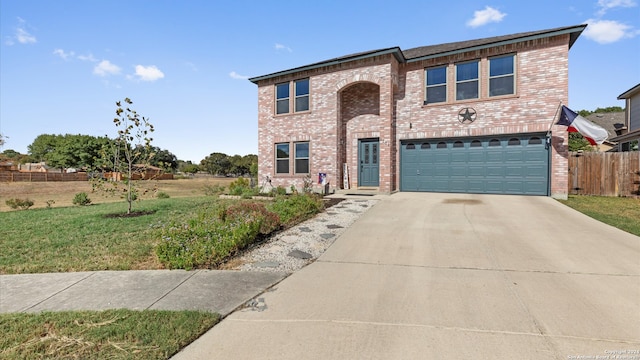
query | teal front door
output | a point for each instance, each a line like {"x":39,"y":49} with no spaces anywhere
{"x":369,"y":162}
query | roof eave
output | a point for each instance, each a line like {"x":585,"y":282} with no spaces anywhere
{"x":396,"y":52}
{"x":574,"y":32}
{"x":627,"y":94}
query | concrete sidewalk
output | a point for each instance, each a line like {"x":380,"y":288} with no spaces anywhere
{"x":450,"y":276}
{"x":216,"y":291}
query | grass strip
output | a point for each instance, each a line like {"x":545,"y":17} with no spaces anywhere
{"x":111,"y":334}
{"x":623,"y":213}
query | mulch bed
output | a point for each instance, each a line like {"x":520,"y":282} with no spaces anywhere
{"x":129,"y":215}
{"x":329,"y":202}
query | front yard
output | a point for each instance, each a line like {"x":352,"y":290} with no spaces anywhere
{"x":85,"y":239}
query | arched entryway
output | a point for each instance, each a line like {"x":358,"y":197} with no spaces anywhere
{"x":358,"y":126}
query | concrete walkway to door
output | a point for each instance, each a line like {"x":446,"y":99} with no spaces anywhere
{"x":450,"y":276}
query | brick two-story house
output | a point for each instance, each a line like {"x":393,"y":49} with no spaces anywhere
{"x":467,"y":117}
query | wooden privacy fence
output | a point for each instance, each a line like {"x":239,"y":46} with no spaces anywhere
{"x":604,"y":174}
{"x":10,"y":176}
{"x":14,"y":176}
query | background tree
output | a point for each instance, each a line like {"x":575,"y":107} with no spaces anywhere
{"x":130,"y":152}
{"x":68,"y":151}
{"x":163,"y":159}
{"x":578,"y":142}
{"x":42,"y":146}
{"x":216,"y":164}
{"x":188,"y":167}
{"x":2,"y":140}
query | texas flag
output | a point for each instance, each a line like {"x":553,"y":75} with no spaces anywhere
{"x":576,"y":123}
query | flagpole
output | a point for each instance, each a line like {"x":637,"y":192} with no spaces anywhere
{"x":555,"y":116}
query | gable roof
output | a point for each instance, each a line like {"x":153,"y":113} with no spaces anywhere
{"x":627,"y":94}
{"x":427,"y":52}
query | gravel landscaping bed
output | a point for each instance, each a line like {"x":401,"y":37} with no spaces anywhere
{"x":300,"y":245}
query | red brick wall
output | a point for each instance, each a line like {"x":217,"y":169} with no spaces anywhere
{"x":364,"y":99}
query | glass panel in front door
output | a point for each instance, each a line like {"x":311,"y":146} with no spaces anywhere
{"x":366,"y":153}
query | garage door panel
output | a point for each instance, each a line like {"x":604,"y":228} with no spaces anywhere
{"x":458,"y":171}
{"x":477,"y":171}
{"x":496,"y":156}
{"x":458,"y":185}
{"x":441,"y":157}
{"x":514,"y":156}
{"x":515,"y":171}
{"x":477,"y":156}
{"x":494,"y":171}
{"x":440,"y":170}
{"x":499,"y":165}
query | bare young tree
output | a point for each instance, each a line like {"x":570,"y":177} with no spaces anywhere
{"x":130,"y":154}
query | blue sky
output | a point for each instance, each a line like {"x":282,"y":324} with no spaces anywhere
{"x":185,"y":64}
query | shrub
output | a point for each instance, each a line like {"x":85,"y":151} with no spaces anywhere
{"x":213,"y":190}
{"x":50,"y":203}
{"x":280,"y":190}
{"x":22,"y":204}
{"x":162,"y":195}
{"x":253,"y":212}
{"x":81,"y":199}
{"x":239,"y":186}
{"x":296,"y":208}
{"x":220,"y":231}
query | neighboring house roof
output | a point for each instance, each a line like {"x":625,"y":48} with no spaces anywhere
{"x":629,"y":93}
{"x":634,"y":135}
{"x":432,"y":51}
{"x":612,"y":122}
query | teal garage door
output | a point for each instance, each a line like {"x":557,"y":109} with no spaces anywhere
{"x":510,"y":164}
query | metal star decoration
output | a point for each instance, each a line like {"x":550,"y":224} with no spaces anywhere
{"x":467,"y":115}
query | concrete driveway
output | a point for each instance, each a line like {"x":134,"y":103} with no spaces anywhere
{"x":451,"y":276}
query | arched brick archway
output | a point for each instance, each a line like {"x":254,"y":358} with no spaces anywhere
{"x":358,"y":104}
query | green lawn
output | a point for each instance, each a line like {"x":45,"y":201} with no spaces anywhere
{"x":111,"y":334}
{"x":623,"y":213}
{"x":83,"y":238}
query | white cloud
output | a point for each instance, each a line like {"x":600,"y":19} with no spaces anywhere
{"x":87,"y":58}
{"x":235,"y":75}
{"x":148,"y":73}
{"x":483,"y":17}
{"x":606,"y":5}
{"x":24,"y":37}
{"x":21,"y":34}
{"x":64,"y":55}
{"x":282,"y":47}
{"x":608,"y":31}
{"x":105,"y":68}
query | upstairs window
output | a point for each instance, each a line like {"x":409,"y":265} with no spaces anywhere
{"x":299,"y":102}
{"x":467,"y":84}
{"x":282,"y":158}
{"x":436,"y":79}
{"x":302,"y":95}
{"x":282,"y":98}
{"x":501,"y":75}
